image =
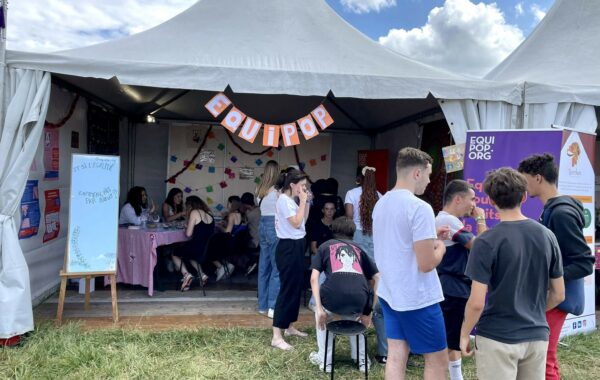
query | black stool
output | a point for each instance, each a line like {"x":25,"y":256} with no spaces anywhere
{"x":345,"y":328}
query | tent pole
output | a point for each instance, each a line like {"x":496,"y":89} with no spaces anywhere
{"x":2,"y":60}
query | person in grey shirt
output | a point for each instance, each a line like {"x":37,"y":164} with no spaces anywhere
{"x":518,"y":265}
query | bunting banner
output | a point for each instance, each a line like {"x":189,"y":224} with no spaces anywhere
{"x":236,"y":121}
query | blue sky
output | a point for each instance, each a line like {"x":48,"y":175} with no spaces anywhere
{"x":410,"y":14}
{"x":464,"y":36}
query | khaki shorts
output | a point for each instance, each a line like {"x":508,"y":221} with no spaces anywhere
{"x":503,"y":361}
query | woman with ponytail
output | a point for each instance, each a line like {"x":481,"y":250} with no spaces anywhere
{"x":359,"y":205}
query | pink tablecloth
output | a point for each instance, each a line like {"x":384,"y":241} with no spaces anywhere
{"x":136,"y":256}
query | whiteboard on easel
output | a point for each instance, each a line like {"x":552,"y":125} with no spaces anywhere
{"x":93,"y":214}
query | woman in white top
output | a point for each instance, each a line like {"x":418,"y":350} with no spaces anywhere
{"x":137,"y":203}
{"x":290,"y":219}
{"x":268,"y":275}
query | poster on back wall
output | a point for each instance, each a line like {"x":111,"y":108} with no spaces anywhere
{"x":51,"y":214}
{"x":573,"y":153}
{"x":51,"y":154}
{"x":30,"y":211}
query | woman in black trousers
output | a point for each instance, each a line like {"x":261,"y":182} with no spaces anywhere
{"x":290,"y":219}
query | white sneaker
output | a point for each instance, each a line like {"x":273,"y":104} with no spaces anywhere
{"x":220,"y":273}
{"x":328,"y":367}
{"x":361,"y":366}
{"x":270,"y":313}
{"x":314,"y":358}
{"x":230,"y":268}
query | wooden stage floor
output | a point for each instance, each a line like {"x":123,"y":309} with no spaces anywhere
{"x":170,"y":309}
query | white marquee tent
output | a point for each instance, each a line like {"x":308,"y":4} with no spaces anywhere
{"x":291,"y":55}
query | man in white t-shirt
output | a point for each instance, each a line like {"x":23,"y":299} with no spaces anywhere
{"x":407,"y":252}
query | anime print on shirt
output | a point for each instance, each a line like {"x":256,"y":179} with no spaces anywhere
{"x":344,"y":258}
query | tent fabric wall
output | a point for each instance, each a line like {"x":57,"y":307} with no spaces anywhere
{"x":577,"y":116}
{"x":468,"y":114}
{"x":27,"y":93}
{"x":463,"y":115}
{"x":45,"y":259}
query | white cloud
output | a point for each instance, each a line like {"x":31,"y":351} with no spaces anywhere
{"x":519,"y":9}
{"x":366,"y":6}
{"x":537,"y":12}
{"x":51,"y":25}
{"x":460,"y":36}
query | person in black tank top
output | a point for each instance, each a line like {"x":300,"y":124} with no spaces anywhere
{"x":200,"y":227}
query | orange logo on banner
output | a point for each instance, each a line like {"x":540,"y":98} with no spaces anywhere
{"x":271,"y":135}
{"x":322,"y":117}
{"x":218,"y":104}
{"x":250,"y":130}
{"x":233,"y":119}
{"x":308,"y":127}
{"x":289,"y":134}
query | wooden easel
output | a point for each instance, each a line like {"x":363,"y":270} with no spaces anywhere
{"x":64,"y":276}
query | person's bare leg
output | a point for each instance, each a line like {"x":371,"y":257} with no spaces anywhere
{"x":180,"y":264}
{"x":436,"y":365}
{"x":278,"y":342}
{"x":395,"y":368}
{"x":291,"y":330}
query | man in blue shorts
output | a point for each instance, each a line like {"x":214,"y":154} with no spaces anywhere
{"x":407,"y":252}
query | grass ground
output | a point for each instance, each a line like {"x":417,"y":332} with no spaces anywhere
{"x":70,"y":352}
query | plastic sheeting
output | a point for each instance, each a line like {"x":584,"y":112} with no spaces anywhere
{"x":27,"y":93}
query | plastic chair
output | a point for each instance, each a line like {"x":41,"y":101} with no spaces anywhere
{"x":345,"y":328}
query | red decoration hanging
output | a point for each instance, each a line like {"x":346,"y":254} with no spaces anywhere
{"x":64,"y":120}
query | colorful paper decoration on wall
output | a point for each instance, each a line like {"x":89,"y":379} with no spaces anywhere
{"x":250,"y":127}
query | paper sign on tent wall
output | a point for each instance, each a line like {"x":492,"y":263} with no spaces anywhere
{"x":93,"y":214}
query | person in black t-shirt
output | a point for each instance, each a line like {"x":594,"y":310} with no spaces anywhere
{"x":320,"y":231}
{"x":517,"y":265}
{"x":348,"y":289}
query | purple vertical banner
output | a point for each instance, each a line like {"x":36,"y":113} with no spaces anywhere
{"x":489,"y":150}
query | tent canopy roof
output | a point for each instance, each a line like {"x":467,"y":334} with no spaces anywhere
{"x":560,"y":60}
{"x":260,"y":50}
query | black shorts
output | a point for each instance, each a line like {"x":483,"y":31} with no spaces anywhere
{"x":453,"y":309}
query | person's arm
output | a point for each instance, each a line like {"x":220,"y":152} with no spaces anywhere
{"x":192,"y":221}
{"x":479,"y":215}
{"x":165,"y":212}
{"x":556,"y":293}
{"x":297,"y":220}
{"x":429,"y":254}
{"x":230,"y":222}
{"x":313,"y":247}
{"x":315,"y":287}
{"x":473,"y":311}
{"x":129,"y":215}
{"x":579,"y":261}
{"x":349,"y":210}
